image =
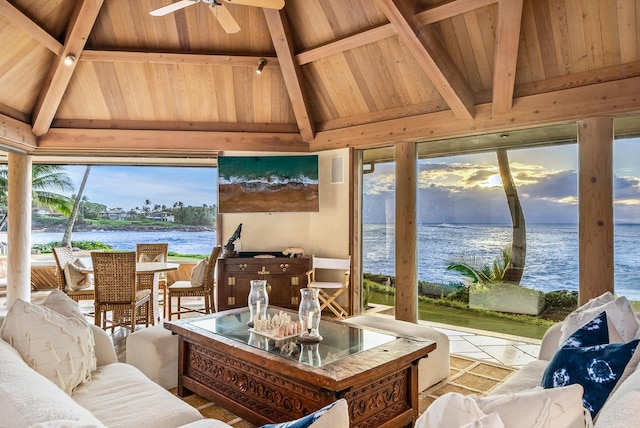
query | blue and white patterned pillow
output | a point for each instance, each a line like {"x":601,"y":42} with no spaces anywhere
{"x":337,"y":421}
{"x":595,"y":332}
{"x":586,"y":358}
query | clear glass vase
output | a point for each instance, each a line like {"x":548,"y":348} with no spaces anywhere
{"x":258,"y":300}
{"x":309,"y":315}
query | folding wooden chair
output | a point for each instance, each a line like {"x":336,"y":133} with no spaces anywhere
{"x":341,"y":267}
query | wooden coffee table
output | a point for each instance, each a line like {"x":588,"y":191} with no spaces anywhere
{"x":265,"y":380}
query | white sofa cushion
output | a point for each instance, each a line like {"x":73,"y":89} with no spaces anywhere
{"x":29,"y":399}
{"x":58,"y":347}
{"x":62,"y":304}
{"x":117,"y":388}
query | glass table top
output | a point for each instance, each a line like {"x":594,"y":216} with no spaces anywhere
{"x":339,"y":340}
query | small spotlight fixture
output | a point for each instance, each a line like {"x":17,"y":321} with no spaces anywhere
{"x":504,"y":136}
{"x":69,"y":59}
{"x":261,"y":63}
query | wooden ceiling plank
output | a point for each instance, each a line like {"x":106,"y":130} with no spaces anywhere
{"x":16,"y":135}
{"x":353,"y":41}
{"x":450,"y":9}
{"x":34,"y":30}
{"x":101,"y":142}
{"x":506,"y":56}
{"x":80,"y":25}
{"x":175,"y":58}
{"x":283,"y":44}
{"x":614,"y":98}
{"x":428,"y":51}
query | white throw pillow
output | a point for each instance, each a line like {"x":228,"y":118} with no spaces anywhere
{"x":535,"y":408}
{"x":144,"y":258}
{"x":198,"y":273}
{"x":555,"y":407}
{"x":454,"y":410}
{"x":622,"y":321}
{"x":76,"y":276}
{"x":58,"y":347}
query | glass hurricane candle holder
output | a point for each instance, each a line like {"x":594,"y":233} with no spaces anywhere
{"x":309,"y":315}
{"x":258,"y":300}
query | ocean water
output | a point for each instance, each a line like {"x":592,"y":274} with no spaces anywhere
{"x":551,"y":263}
{"x":179,"y":242}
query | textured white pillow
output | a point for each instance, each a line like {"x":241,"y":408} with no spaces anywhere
{"x":198,"y":273}
{"x":58,"y":347}
{"x":622,"y":321}
{"x":76,"y":276}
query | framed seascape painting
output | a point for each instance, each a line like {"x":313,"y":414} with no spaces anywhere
{"x":267,"y":183}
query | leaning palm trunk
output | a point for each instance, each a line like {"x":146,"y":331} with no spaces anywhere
{"x":513,"y":272}
{"x":66,"y":239}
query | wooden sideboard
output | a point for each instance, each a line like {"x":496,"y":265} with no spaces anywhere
{"x":285,"y":277}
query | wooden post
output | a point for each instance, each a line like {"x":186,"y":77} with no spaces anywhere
{"x":406,"y":233}
{"x":595,"y":202}
{"x":19,"y":228}
{"x":355,"y":231}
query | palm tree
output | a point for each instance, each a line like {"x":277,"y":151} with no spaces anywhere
{"x":66,"y":239}
{"x":515,"y":268}
{"x":47,"y":180}
{"x":478,"y":272}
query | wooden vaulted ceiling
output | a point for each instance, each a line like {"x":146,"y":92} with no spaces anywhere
{"x":339,"y":73}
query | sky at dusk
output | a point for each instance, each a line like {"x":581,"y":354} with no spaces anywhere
{"x":467,"y":189}
{"x":460,"y":189}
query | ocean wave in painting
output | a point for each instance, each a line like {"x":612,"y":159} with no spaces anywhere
{"x":272,"y":183}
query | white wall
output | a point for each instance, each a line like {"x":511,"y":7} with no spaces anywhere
{"x":323,"y":233}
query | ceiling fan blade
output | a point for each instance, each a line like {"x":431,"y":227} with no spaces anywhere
{"x":165,"y":10}
{"x":267,"y":4}
{"x":225,"y":18}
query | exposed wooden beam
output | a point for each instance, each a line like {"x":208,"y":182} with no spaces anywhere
{"x":506,"y":54}
{"x":175,"y":58}
{"x":353,"y":41}
{"x":449,"y":9}
{"x":425,"y":45}
{"x":80,"y":25}
{"x":16,"y":136}
{"x":151,"y":125}
{"x":34,"y":30}
{"x":113,"y":142}
{"x":291,"y":73}
{"x":613,"y":98}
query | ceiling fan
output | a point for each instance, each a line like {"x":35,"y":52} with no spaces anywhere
{"x":223,"y":16}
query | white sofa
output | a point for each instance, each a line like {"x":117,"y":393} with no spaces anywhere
{"x":117,"y":395}
{"x":589,"y":367}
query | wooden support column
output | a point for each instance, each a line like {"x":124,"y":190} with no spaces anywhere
{"x":406,"y":233}
{"x":595,"y":202}
{"x":19,"y":228}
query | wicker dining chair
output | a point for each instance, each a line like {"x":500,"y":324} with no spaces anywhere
{"x":64,"y":255}
{"x":181,"y":289}
{"x":116,"y":290}
{"x":150,"y":251}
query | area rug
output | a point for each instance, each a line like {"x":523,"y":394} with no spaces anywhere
{"x":466,"y":376}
